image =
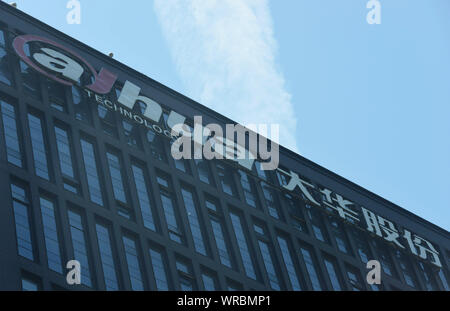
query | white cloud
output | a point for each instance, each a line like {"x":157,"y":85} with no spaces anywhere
{"x":224,"y":51}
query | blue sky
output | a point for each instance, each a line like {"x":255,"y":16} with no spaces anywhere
{"x":369,"y":102}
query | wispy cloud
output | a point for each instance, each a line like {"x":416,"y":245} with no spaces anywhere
{"x":224,"y":51}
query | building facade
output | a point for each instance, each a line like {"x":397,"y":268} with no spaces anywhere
{"x":84,"y":177}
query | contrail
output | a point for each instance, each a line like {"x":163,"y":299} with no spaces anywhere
{"x":224,"y":51}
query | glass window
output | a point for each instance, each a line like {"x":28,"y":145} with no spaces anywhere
{"x":384,"y":257}
{"x":80,"y":248}
{"x":233,"y":286}
{"x":271,"y":200}
{"x":354,"y":277}
{"x":143,"y":197}
{"x":182,"y":165}
{"x":56,"y":95}
{"x":185,"y":275}
{"x":115,"y":171}
{"x":209,"y":282}
{"x":2,"y":39}
{"x":288,"y":262}
{"x":132,"y":134}
{"x":22,"y":220}
{"x":204,"y":174}
{"x":219,"y":237}
{"x":66,"y":162}
{"x":29,"y":285}
{"x":311,"y":268}
{"x":80,"y":105}
{"x":107,"y":258}
{"x":107,"y":120}
{"x":406,"y":268}
{"x":39,"y":147}
{"x":30,"y":80}
{"x":317,"y":223}
{"x":5,"y":69}
{"x":11,"y":134}
{"x":249,"y":187}
{"x":261,"y":173}
{"x":295,"y":206}
{"x":134,"y":269}
{"x":259,"y":229}
{"x":48,"y":213}
{"x":168,"y":205}
{"x":268,"y":263}
{"x":64,"y":152}
{"x":156,"y":145}
{"x":243,"y":246}
{"x":90,"y":166}
{"x":333,"y":274}
{"x":361,"y":245}
{"x":194,"y":222}
{"x":340,"y":237}
{"x":430,"y":281}
{"x":226,"y":178}
{"x":159,"y":269}
{"x":443,"y":279}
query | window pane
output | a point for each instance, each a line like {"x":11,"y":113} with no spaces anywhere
{"x":90,"y":166}
{"x":317,"y":223}
{"x":268,"y":263}
{"x":10,"y":131}
{"x":159,"y":270}
{"x":5,"y":69}
{"x":30,"y":81}
{"x":311,"y":269}
{"x":39,"y":147}
{"x":271,"y":200}
{"x":208,"y":282}
{"x":56,"y":95}
{"x":51,"y":235}
{"x":289,"y":264}
{"x":406,"y":268}
{"x":80,"y":105}
{"x":29,"y":285}
{"x":143,"y":197}
{"x":219,"y":238}
{"x":226,"y":178}
{"x":203,"y":171}
{"x":107,"y":258}
{"x":249,"y":187}
{"x":134,"y":269}
{"x":169,"y":210}
{"x":156,"y":144}
{"x":194,"y":223}
{"x":80,"y":251}
{"x":339,"y":236}
{"x":22,"y":221}
{"x":243,"y":246}
{"x":116,"y":177}
{"x":64,"y":152}
{"x":333,"y":274}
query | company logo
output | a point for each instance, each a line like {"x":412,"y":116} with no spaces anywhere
{"x":65,"y":69}
{"x":65,"y":66}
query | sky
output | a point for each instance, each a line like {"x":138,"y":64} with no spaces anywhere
{"x":368,"y":102}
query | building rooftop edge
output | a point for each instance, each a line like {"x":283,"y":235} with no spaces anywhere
{"x":186,"y":100}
